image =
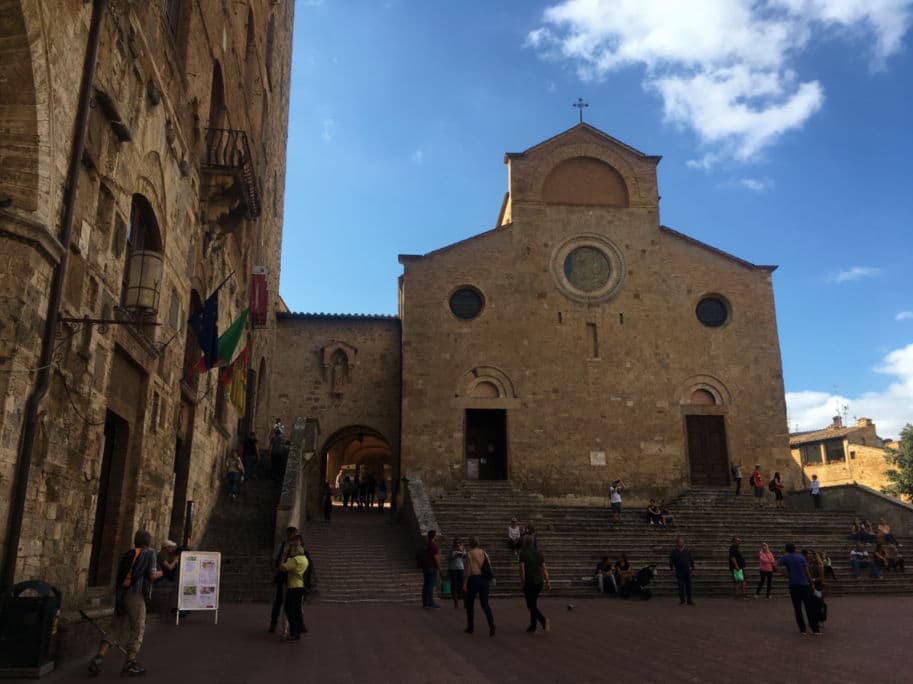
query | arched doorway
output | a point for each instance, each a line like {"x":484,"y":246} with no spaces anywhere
{"x":357,"y":451}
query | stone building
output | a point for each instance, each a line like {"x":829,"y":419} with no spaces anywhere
{"x":577,"y":341}
{"x":180,"y":187}
{"x":838,"y":454}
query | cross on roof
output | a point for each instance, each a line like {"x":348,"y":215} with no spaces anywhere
{"x":580,"y":104}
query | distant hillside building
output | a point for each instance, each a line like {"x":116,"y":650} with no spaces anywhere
{"x":841,"y":454}
{"x":578,"y":340}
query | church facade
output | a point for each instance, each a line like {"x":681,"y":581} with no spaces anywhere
{"x":581,"y":341}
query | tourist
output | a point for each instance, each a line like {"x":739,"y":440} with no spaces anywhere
{"x":816,"y":491}
{"x":895,"y":559}
{"x":476,"y":583}
{"x":295,"y":566}
{"x":666,"y":513}
{"x":249,"y":456}
{"x":615,"y":499}
{"x":605,"y":579}
{"x":795,"y":568}
{"x":278,"y":429}
{"x":622,"y":571}
{"x":654,"y":514}
{"x":381,"y":494}
{"x":530,"y":531}
{"x":737,"y":568}
{"x":130,"y":615}
{"x":860,"y":533}
{"x":168,"y":560}
{"x":815,"y":571}
{"x":868,"y":530}
{"x":884,"y":533}
{"x":370,"y":490}
{"x":828,"y":565}
{"x":533,"y":576}
{"x":278,"y":451}
{"x":681,"y":561}
{"x":280,"y":577}
{"x":757,"y":482}
{"x":347,"y":489}
{"x":766,"y":562}
{"x":327,"y":497}
{"x":430,"y":569}
{"x":879,"y":561}
{"x":235,"y":472}
{"x":859,"y":559}
{"x":455,"y":569}
{"x":736,"y":469}
{"x":776,"y":486}
{"x":513,"y":535}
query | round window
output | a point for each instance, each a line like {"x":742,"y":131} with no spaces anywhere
{"x":466,"y":303}
{"x":712,"y":312}
{"x":587,"y":268}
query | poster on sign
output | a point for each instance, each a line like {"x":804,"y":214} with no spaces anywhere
{"x":198,"y":583}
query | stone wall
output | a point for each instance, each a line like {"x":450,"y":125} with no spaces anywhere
{"x":364,"y":399}
{"x":585,"y":380}
{"x":153,"y":100}
{"x":864,"y":465}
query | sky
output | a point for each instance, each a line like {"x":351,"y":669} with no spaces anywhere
{"x":785,"y":127}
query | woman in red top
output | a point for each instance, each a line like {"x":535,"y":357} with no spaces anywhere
{"x":766,"y":562}
{"x":757,"y":481}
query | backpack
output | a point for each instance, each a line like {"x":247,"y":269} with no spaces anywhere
{"x":310,"y":576}
{"x":124,"y":577}
{"x":772,"y":485}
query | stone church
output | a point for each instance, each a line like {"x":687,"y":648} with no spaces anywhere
{"x":576,"y":342}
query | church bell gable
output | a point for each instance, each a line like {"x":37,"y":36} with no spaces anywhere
{"x":584,"y":167}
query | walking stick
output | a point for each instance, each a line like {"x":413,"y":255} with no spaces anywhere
{"x":104,"y":634}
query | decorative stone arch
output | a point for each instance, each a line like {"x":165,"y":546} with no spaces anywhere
{"x":25,"y":115}
{"x":703,"y":385}
{"x":486,"y":382}
{"x":600,"y":153}
{"x":585,"y":181}
{"x":151,"y":183}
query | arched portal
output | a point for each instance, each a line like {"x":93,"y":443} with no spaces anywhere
{"x":357,"y":451}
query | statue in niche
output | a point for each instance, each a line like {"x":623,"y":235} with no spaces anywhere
{"x":339,"y":372}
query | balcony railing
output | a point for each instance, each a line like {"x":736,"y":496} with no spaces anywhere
{"x":228,"y":152}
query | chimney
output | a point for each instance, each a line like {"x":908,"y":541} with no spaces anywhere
{"x":864,"y":422}
{"x":838,"y":422}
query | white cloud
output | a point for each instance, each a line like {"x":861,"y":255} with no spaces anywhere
{"x":891,"y":408}
{"x":856,"y":273}
{"x":904,"y":316}
{"x":723,"y":68}
{"x":328,"y":128}
{"x":418,"y":156}
{"x":756,"y":184}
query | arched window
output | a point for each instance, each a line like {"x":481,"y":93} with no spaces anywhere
{"x":143,"y":265}
{"x":217,"y":112}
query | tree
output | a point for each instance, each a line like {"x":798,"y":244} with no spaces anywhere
{"x":900,"y":473}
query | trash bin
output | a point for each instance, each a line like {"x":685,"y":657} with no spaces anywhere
{"x":27,"y":624}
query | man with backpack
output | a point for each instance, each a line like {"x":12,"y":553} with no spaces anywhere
{"x":136,"y":572}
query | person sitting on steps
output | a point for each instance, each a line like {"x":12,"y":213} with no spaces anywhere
{"x":654,"y":514}
{"x":666,"y":513}
{"x":514,"y":533}
{"x":605,"y":579}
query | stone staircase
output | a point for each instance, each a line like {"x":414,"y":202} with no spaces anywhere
{"x":363,"y":557}
{"x":242,"y":530}
{"x":574,"y":538}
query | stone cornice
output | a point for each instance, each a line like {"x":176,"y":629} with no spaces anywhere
{"x":20,"y":226}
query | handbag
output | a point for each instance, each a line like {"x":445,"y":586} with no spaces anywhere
{"x":738,"y":575}
{"x":487,"y":571}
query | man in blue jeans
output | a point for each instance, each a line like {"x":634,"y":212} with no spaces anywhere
{"x":429,"y":571}
{"x":795,"y":567}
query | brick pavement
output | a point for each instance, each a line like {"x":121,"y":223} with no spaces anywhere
{"x":866,"y":639}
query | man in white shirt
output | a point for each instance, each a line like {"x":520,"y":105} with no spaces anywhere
{"x":615,"y":499}
{"x":816,"y":491}
{"x":513,"y":535}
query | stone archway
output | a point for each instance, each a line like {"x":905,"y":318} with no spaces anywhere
{"x":357,"y":450}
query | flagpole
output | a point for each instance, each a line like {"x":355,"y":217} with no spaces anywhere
{"x":222,"y":283}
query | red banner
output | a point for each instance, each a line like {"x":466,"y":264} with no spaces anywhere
{"x":259,"y":297}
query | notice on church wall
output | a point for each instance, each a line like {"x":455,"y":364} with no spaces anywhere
{"x":597,"y":458}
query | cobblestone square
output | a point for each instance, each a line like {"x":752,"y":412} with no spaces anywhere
{"x":866,"y":639}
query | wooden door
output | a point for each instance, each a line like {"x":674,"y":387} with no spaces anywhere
{"x":707,"y":450}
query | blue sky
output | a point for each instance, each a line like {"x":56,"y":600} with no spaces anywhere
{"x":785,"y":126}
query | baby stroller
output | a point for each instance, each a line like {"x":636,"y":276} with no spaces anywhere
{"x":638,"y":585}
